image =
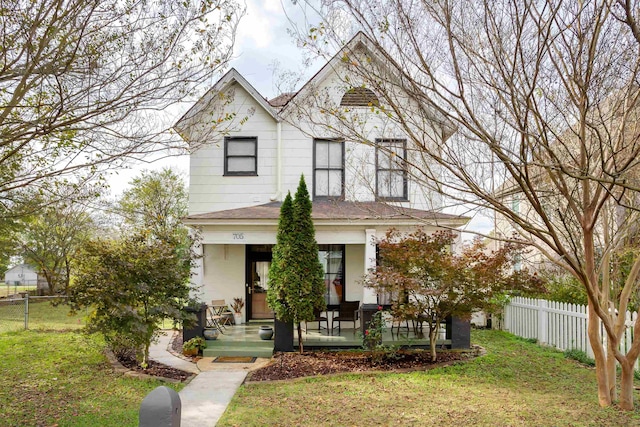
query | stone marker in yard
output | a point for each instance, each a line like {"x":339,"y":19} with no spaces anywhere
{"x":161,"y":408}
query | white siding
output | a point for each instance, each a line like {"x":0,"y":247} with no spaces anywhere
{"x":21,"y":274}
{"x":209,"y":190}
{"x":354,"y":260}
{"x":360,"y":159}
{"x":224,"y":272}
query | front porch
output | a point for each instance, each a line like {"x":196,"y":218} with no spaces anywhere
{"x":243,"y":340}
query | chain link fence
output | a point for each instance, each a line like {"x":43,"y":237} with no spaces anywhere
{"x":37,"y":312}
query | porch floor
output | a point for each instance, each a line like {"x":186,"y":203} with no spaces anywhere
{"x":243,"y":340}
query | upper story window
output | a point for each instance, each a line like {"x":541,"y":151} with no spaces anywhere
{"x":359,"y":97}
{"x":515,"y":203}
{"x":328,"y":168}
{"x":391,"y":171}
{"x":241,"y":155}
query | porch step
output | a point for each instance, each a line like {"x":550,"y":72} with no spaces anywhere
{"x":246,"y":349}
{"x":226,"y":342}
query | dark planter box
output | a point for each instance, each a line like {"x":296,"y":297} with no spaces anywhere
{"x":196,"y":329}
{"x":366,"y":313}
{"x":459,"y":332}
{"x":283,"y":336}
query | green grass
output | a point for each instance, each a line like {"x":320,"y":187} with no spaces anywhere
{"x":579,"y":356}
{"x":42,"y":316}
{"x":63,"y":378}
{"x":516,"y":383}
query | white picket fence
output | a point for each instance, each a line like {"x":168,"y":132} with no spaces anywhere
{"x":560,"y":325}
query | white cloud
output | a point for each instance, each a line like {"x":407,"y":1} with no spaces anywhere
{"x":256,"y":27}
{"x":272,"y":5}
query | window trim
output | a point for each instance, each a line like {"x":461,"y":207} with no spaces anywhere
{"x":228,"y":139}
{"x":405,"y":180}
{"x":316,"y":168}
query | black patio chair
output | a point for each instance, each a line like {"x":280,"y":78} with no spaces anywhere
{"x":348,"y":312}
{"x":319,"y":318}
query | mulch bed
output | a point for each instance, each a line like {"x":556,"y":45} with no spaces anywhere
{"x":286,"y":366}
{"x":155,"y":369}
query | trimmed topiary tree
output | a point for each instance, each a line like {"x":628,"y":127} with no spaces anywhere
{"x":296,"y":278}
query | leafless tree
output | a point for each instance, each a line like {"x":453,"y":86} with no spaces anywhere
{"x":86,"y":84}
{"x":543,"y":98}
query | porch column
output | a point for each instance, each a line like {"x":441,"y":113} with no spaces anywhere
{"x":197,"y":270}
{"x":369,"y":295}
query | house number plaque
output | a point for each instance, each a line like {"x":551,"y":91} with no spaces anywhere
{"x":238,"y":236}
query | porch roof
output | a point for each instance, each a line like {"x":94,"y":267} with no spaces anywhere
{"x":332,"y":210}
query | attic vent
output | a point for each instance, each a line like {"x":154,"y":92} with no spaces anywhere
{"x":359,"y":97}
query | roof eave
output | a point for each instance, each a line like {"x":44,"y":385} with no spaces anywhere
{"x":437,"y":222}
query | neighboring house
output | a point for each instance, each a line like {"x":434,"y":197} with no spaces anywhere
{"x":359,"y":190}
{"x":25,"y":275}
{"x":533,"y":259}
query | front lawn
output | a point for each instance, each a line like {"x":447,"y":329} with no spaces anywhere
{"x":62,"y":378}
{"x":42,"y":315}
{"x":516,"y":384}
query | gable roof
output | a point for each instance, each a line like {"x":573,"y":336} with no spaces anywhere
{"x":327,"y":68}
{"x":360,"y":41}
{"x":232,"y":76}
{"x":279,"y":105}
{"x":329,"y":210}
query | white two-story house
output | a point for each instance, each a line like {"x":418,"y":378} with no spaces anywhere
{"x":248,"y":152}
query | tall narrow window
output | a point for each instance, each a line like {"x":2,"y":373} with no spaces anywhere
{"x":515,"y":203}
{"x":332,"y":260}
{"x":328,"y":174}
{"x":241,"y":156}
{"x":391,"y":171}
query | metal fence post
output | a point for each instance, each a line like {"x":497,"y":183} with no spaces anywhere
{"x":26,"y":310}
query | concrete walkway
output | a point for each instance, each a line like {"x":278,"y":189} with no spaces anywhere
{"x":159,"y":352}
{"x":206,"y":397}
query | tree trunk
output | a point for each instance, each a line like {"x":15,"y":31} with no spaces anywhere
{"x":145,"y":355}
{"x":67,"y":267}
{"x":626,"y":386}
{"x":604,"y":398}
{"x":50,"y":281}
{"x":433,"y":334}
{"x":611,"y":373}
{"x":300,"y":338}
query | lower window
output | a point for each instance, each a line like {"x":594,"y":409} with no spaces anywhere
{"x":332,"y":260}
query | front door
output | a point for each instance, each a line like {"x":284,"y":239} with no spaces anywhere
{"x":258,"y":262}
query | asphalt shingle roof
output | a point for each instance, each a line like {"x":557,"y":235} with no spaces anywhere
{"x":337,"y":210}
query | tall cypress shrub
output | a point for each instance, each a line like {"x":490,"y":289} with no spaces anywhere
{"x":296,"y":277}
{"x":276,"y":293}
